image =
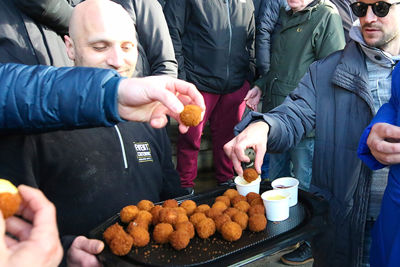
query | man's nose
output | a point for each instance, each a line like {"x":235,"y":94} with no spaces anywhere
{"x":115,"y":57}
{"x":370,"y":16}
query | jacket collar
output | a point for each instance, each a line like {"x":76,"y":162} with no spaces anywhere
{"x":351,"y":73}
{"x":299,"y":17}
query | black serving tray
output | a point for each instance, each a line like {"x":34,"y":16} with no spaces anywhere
{"x":306,"y":219}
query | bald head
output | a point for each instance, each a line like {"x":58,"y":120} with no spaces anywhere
{"x":102,"y":34}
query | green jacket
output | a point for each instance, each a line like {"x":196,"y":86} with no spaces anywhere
{"x":298,"y":40}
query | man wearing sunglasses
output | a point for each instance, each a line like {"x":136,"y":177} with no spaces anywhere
{"x":337,"y":98}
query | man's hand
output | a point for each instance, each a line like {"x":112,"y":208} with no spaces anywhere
{"x":254,"y":136}
{"x":150,"y":99}
{"x":36,"y":243}
{"x":253,"y":97}
{"x":82,"y":252}
{"x":384,"y":143}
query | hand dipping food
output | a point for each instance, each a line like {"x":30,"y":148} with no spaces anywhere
{"x":9,"y":198}
{"x":191,"y":115}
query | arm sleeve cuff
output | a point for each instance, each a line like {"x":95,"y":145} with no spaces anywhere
{"x":111,"y":100}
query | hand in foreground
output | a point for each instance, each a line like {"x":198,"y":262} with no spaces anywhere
{"x":82,"y":252}
{"x":384,"y":143}
{"x":150,"y":99}
{"x":253,"y":97}
{"x":254,"y":136}
{"x":37,"y":243}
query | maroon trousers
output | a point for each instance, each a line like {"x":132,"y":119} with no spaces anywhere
{"x":224,"y":112}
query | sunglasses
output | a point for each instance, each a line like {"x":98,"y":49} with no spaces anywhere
{"x":380,"y":9}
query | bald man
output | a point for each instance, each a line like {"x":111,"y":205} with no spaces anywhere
{"x":90,"y":174}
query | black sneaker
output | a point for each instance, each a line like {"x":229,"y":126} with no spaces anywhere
{"x":298,"y":256}
{"x":188,"y":190}
{"x":227,"y":183}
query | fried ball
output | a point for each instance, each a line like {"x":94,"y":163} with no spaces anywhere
{"x":141,"y":236}
{"x":168,"y":215}
{"x":180,"y":210}
{"x":231,"y":193}
{"x":241,"y":218}
{"x":257,"y":201}
{"x":221,"y":220}
{"x":189,"y":206}
{"x":237,"y":199}
{"x":161,"y":232}
{"x":242,"y":206}
{"x":197,"y":217}
{"x":257,"y":222}
{"x":219,"y":205}
{"x":113,"y":231}
{"x":186,"y":226}
{"x":155,"y":213}
{"x":128,"y":213}
{"x":256,"y":209}
{"x":179,"y":239}
{"x":191,"y":115}
{"x":231,"y":211}
{"x":145,"y":216}
{"x":250,"y":174}
{"x":139,"y":222}
{"x":252,"y":195}
{"x":121,"y":244}
{"x":145,"y":205}
{"x":213,"y":213}
{"x":202,"y":208}
{"x":224,"y":199}
{"x":181,"y":218}
{"x":231,"y":231}
{"x":9,"y":198}
{"x":205,"y":228}
{"x":170,"y":203}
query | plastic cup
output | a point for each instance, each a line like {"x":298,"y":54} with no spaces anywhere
{"x":290,"y":185}
{"x":276,"y":203}
{"x":243,"y":187}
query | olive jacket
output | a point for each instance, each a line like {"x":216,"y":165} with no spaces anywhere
{"x":298,"y":40}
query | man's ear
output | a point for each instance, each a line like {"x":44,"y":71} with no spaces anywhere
{"x":69,"y":44}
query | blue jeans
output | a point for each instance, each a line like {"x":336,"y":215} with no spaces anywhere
{"x":297,"y":162}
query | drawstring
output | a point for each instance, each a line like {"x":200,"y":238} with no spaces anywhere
{"x":122,"y":147}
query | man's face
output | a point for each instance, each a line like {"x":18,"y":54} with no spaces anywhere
{"x":381,"y":32}
{"x":104,"y":42}
{"x":298,"y":5}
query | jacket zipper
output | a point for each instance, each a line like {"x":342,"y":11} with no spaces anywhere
{"x":122,"y":146}
{"x":230,"y":40}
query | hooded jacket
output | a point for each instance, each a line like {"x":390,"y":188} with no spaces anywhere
{"x":299,"y":39}
{"x":213,"y":42}
{"x":333,"y":98}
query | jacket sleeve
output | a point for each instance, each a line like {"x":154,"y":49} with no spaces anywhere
{"x":332,"y":38}
{"x":175,"y":12}
{"x":39,"y":98}
{"x":265,"y":24}
{"x":291,"y":120}
{"x":388,"y":113}
{"x":53,"y":13}
{"x":154,"y":36}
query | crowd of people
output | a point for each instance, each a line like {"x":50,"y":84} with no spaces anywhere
{"x":319,"y":69}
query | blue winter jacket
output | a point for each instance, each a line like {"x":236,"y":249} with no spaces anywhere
{"x":385,"y":246}
{"x":39,"y":98}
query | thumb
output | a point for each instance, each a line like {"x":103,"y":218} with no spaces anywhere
{"x":91,"y":246}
